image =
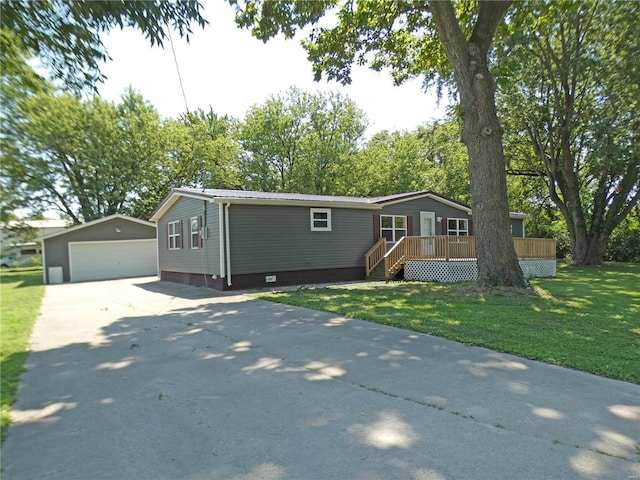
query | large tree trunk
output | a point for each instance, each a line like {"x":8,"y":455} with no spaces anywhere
{"x":596,"y":249}
{"x":482,"y":134}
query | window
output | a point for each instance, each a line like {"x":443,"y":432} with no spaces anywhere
{"x":320,"y":219}
{"x":194,"y":232}
{"x":458,"y":227}
{"x":173,"y":232}
{"x":393,"y":227}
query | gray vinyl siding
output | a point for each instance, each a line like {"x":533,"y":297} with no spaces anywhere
{"x":200,"y":260}
{"x":279,"y":238}
{"x":517,"y":227}
{"x":413,"y":208}
{"x":57,"y":248}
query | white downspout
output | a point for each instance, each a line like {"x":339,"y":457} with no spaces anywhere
{"x":221,"y":235}
{"x":157,"y":251}
{"x":228,"y":246}
{"x":44,"y":265}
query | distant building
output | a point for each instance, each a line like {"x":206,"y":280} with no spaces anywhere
{"x":18,"y":243}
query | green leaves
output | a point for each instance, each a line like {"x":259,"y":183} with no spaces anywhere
{"x":570,"y":112}
{"x":65,"y":36}
{"x":299,"y":142}
{"x":384,"y":34}
{"x":428,"y":158}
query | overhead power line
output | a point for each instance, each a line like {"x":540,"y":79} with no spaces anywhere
{"x":175,"y":59}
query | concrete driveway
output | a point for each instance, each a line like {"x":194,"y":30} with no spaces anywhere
{"x":141,"y":379}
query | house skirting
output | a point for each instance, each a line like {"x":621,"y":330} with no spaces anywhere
{"x":194,"y":279}
{"x":267,"y":279}
{"x":467,"y":270}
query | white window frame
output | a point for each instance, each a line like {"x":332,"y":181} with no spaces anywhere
{"x":320,"y":224}
{"x":174,"y":233}
{"x":393,"y":229}
{"x":194,"y":233}
{"x":461,"y":229}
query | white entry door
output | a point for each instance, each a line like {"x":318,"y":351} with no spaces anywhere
{"x":427,"y":224}
{"x":427,"y":229}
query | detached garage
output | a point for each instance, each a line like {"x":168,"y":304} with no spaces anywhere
{"x":117,"y":246}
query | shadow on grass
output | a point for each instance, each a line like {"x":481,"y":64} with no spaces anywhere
{"x":22,"y":292}
{"x":24,"y":277}
{"x":586,"y":318}
{"x":11,"y":367}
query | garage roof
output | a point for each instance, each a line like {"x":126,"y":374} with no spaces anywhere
{"x":96,"y":222}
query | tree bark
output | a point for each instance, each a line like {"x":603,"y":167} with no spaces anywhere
{"x":482,"y":134}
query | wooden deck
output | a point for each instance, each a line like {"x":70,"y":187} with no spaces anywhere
{"x":385,"y":263}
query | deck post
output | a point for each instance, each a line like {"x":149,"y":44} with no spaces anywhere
{"x":446,"y":248}
{"x":386,"y":263}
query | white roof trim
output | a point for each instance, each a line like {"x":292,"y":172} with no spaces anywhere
{"x":295,"y":203}
{"x":96,"y":222}
{"x":176,"y":194}
{"x":432,"y":196}
{"x":173,"y":198}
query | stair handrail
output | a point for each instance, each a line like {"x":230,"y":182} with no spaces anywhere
{"x":394,"y":257}
{"x":375,"y":255}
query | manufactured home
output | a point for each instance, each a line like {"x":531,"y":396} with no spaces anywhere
{"x":230,"y":239}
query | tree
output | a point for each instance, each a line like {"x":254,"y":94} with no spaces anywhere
{"x":624,"y":242}
{"x":419,"y":38}
{"x":84,"y":159}
{"x":571,"y":104}
{"x":65,"y":35}
{"x":89,"y":159}
{"x":197,"y":150}
{"x":430,"y":157}
{"x":300,"y":142}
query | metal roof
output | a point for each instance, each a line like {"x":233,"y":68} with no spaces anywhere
{"x":301,"y":199}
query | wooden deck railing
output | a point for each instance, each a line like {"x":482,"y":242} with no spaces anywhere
{"x":395,"y":258}
{"x":375,"y":255}
{"x":447,"y":248}
{"x":535,"y":248}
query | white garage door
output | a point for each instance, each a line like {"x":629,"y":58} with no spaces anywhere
{"x":107,"y":260}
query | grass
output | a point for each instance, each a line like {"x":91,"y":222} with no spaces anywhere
{"x":586,"y":318}
{"x":21,"y":292}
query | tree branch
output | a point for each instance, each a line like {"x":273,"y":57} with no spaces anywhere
{"x":490,"y":14}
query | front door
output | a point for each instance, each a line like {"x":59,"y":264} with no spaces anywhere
{"x":427,"y":229}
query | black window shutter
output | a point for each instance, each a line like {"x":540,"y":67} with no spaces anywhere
{"x":376,"y":228}
{"x":409,"y":226}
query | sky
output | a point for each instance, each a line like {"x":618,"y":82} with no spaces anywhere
{"x":228,"y":70}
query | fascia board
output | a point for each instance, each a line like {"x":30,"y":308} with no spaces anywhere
{"x":96,"y":222}
{"x":295,"y":203}
{"x":437,"y":198}
{"x":173,"y":198}
{"x":433,"y":197}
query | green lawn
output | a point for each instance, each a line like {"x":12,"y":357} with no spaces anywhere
{"x":586,"y":318}
{"x":21,"y":292}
